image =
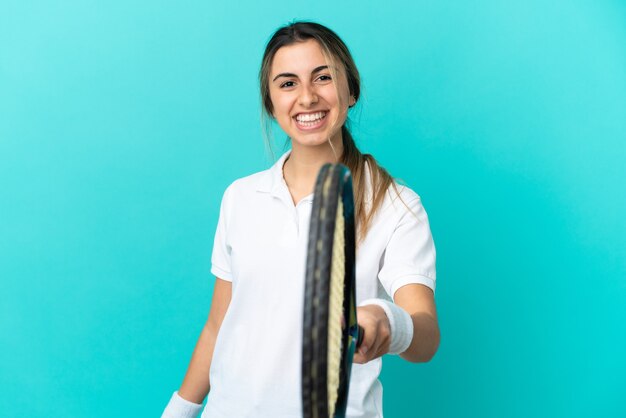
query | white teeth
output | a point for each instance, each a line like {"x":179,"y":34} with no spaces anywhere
{"x":310,"y":117}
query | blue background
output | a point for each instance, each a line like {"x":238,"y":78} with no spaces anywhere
{"x":122,"y":122}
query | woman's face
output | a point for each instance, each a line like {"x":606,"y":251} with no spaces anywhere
{"x":303,"y":94}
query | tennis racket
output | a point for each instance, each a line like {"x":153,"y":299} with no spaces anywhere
{"x":330,"y":330}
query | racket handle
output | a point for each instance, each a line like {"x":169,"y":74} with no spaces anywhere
{"x":361,"y":336}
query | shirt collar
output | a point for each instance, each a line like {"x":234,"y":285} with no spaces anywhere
{"x":272,"y":180}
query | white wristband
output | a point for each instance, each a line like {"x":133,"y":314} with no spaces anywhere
{"x":181,"y":408}
{"x":400,"y":322}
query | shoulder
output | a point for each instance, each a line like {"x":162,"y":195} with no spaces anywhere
{"x":401,"y":191}
{"x":240,"y":195}
{"x":247,"y":186}
{"x":262,"y":181}
{"x":397,"y":192}
{"x":400,"y":201}
{"x":397,"y":199}
{"x":250,"y":183}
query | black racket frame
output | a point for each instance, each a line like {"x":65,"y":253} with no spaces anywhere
{"x":317,"y":293}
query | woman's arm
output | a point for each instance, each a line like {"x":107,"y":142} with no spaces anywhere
{"x":419,"y":301}
{"x":196,"y":384}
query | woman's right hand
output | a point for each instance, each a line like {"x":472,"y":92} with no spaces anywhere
{"x":375,"y":324}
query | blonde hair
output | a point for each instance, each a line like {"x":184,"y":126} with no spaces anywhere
{"x":342,"y":67}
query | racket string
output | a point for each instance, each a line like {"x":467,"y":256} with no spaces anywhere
{"x":335,"y":314}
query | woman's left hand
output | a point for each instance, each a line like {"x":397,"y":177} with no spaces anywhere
{"x":374,"y":321}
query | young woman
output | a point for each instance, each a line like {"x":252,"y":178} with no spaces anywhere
{"x":249,"y":351}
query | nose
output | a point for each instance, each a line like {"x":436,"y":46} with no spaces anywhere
{"x":307,"y":97}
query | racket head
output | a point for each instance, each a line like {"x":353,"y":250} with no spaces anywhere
{"x":330,"y":329}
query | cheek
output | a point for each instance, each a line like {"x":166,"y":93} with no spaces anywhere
{"x":330,"y":94}
{"x":281,"y":106}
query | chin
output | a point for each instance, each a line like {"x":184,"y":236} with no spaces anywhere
{"x":310,"y":140}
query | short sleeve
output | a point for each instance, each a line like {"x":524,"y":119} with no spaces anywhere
{"x":409,"y":256}
{"x":220,"y":259}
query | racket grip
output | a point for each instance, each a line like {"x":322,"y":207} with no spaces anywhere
{"x":359,"y":340}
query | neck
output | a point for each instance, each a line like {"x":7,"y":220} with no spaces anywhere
{"x":304,"y":163}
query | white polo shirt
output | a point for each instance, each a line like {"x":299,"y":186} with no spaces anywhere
{"x":260,"y":246}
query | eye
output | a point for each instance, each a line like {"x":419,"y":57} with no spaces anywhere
{"x":287,"y":84}
{"x":324,"y":77}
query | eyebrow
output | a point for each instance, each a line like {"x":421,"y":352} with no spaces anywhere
{"x":316,"y":70}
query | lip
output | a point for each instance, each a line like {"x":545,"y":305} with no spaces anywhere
{"x":311,"y":127}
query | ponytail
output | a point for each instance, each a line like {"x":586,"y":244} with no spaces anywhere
{"x":367,"y":197}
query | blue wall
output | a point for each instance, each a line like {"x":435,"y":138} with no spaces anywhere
{"x":121,"y":123}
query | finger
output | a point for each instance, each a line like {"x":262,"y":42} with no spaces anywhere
{"x":373,"y":350}
{"x":368,"y":340}
{"x":359,"y":358}
{"x":369,"y":350}
{"x":379,"y":346}
{"x":383,"y":341}
{"x":360,"y":354}
{"x":359,"y":340}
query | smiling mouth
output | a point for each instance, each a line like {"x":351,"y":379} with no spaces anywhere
{"x":310,"y":120}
